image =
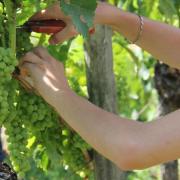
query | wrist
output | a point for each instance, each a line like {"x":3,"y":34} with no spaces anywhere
{"x":99,"y":18}
{"x":105,"y":13}
{"x":60,"y":97}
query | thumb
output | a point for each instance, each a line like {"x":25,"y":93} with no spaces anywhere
{"x":42,"y":15}
{"x":68,"y":32}
{"x":49,"y":13}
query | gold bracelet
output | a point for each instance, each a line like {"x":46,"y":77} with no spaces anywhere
{"x":140,"y":30}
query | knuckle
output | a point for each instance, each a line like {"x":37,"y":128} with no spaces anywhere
{"x":28,"y":55}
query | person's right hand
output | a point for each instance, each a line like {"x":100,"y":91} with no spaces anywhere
{"x":45,"y":74}
{"x":55,"y":12}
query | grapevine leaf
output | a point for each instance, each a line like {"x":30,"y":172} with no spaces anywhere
{"x":78,"y":10}
{"x":167,"y":8}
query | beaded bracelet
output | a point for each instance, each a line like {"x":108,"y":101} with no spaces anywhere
{"x":140,"y":30}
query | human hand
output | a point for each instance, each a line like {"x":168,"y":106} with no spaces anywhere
{"x":46,"y":73}
{"x":55,"y":12}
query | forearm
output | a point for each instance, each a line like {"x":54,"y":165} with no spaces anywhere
{"x":159,"y":39}
{"x":129,"y":144}
{"x":110,"y":135}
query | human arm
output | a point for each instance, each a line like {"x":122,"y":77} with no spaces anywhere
{"x":159,"y":39}
{"x":129,"y":144}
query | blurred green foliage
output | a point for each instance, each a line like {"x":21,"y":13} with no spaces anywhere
{"x":134,"y":70}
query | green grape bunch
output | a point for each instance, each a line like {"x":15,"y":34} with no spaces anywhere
{"x":27,"y":116}
{"x":7,"y":67}
{"x":23,"y":43}
{"x":11,"y":118}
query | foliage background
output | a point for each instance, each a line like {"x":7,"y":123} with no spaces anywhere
{"x":133,"y":67}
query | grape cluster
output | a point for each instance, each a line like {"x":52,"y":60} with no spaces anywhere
{"x":73,"y":157}
{"x":17,"y":133}
{"x":23,"y":43}
{"x":7,"y":66}
{"x":26,"y":115}
{"x":31,"y":116}
{"x":78,"y":142}
{"x":58,"y":141}
{"x":74,"y":152}
{"x":17,"y":144}
{"x":40,"y":120}
{"x":10,"y":117}
{"x":37,"y":114}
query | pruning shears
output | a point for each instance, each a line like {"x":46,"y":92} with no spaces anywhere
{"x":50,"y":26}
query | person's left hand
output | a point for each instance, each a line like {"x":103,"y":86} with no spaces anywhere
{"x":46,"y":73}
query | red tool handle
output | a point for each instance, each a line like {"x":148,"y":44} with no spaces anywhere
{"x":46,"y":26}
{"x":51,"y":26}
{"x":47,"y":29}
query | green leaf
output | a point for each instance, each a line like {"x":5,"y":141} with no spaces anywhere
{"x":78,"y":10}
{"x":167,"y":8}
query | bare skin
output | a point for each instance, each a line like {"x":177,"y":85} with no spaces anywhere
{"x":112,"y":136}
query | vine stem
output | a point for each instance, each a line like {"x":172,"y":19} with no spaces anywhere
{"x":11,"y":12}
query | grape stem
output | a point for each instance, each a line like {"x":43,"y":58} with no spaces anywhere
{"x":11,"y":12}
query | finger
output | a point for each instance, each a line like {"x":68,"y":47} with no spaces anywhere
{"x":67,"y":33}
{"x":31,"y":58}
{"x":34,"y":71}
{"x":46,"y":13}
{"x":42,"y":15}
{"x":27,"y":82}
{"x":34,"y":79}
{"x":42,"y":53}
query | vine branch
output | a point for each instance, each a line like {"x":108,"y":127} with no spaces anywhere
{"x":11,"y":12}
